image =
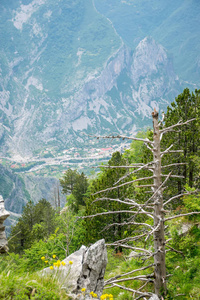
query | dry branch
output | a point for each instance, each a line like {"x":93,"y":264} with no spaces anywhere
{"x":135,"y":171}
{"x":116,"y":200}
{"x":118,"y":167}
{"x":123,"y":184}
{"x":175,"y":197}
{"x":131,"y":290}
{"x":110,"y":212}
{"x":152,"y":197}
{"x":128,"y":239}
{"x":178,"y":124}
{"x":118,"y":136}
{"x":171,"y":248}
{"x":129,"y":223}
{"x":133,"y":248}
{"x":128,"y":273}
{"x":172,"y":165}
{"x":139,"y":277}
{"x":173,"y":176}
{"x":183,"y":215}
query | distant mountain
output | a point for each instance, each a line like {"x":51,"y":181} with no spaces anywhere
{"x":69,"y":67}
{"x":18,"y":189}
{"x":173,"y":24}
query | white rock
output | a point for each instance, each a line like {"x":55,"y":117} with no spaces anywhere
{"x":3,"y":215}
{"x":154,"y":297}
{"x":87,"y":271}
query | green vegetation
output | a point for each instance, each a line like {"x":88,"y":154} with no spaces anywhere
{"x":43,"y":232}
{"x":18,"y":284}
{"x":77,"y":185}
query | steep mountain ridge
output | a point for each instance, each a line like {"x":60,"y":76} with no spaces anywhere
{"x":41,"y":50}
{"x":18,"y":189}
{"x":64,"y":70}
{"x":173,"y":24}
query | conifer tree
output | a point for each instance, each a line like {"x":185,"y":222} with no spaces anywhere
{"x":187,"y":137}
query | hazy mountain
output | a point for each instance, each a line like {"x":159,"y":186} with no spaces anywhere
{"x":18,"y":189}
{"x":69,"y":67}
{"x":174,"y":24}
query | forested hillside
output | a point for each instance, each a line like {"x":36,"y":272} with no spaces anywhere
{"x":111,"y":197}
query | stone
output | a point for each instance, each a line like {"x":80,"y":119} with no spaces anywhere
{"x":3,"y":215}
{"x":154,"y":297}
{"x":87,"y":271}
{"x":185,"y":228}
{"x":132,"y":254}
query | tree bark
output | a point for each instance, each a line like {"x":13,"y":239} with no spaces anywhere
{"x":159,"y":239}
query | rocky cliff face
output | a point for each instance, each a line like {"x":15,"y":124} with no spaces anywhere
{"x":64,"y":70}
{"x":18,"y":189}
{"x":173,"y":24}
{"x":3,"y":215}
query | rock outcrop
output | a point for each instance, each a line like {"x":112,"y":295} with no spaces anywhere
{"x":83,"y":271}
{"x":154,"y":297}
{"x":3,"y":215}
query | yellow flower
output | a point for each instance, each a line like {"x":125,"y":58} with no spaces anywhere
{"x":55,"y":264}
{"x":106,"y":296}
{"x":83,"y":289}
{"x":54,"y":256}
{"x":63,"y":263}
{"x":71,"y":262}
{"x":58,"y":263}
{"x":51,"y":267}
{"x":93,"y":294}
{"x":43,"y":258}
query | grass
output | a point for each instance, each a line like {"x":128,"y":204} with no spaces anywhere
{"x":17,"y":283}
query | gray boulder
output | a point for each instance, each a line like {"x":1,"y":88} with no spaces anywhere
{"x":154,"y":297}
{"x":3,"y":215}
{"x":86,"y":271}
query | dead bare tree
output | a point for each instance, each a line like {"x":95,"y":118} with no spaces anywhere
{"x":153,"y":208}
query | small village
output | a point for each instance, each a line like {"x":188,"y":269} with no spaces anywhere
{"x":54,"y":162}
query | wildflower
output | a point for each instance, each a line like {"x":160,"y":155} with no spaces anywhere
{"x":63,"y":263}
{"x":106,"y":296}
{"x":71,"y":262}
{"x":46,"y":261}
{"x":55,"y":264}
{"x":43,"y":258}
{"x":83,"y":289}
{"x":93,"y":294}
{"x":58,"y":263}
{"x":54,"y":256}
{"x":51,"y":267}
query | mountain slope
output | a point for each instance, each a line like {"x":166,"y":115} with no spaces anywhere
{"x":174,"y":24}
{"x":18,"y":189}
{"x":65,"y":69}
{"x":49,"y":50}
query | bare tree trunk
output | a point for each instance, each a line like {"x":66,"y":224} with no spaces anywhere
{"x":58,"y":198}
{"x":155,"y":212}
{"x":159,"y":239}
